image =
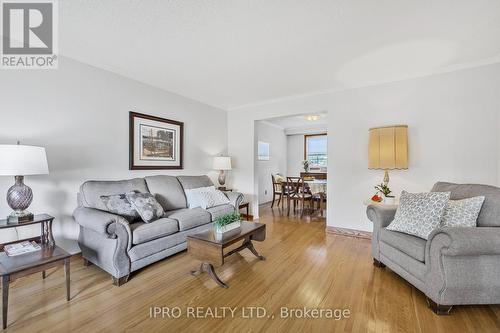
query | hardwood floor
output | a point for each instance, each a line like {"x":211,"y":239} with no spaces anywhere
{"x":305,"y":267}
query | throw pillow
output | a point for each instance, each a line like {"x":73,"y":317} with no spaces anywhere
{"x":193,"y":197}
{"x":146,"y":205}
{"x":205,"y":197}
{"x":119,"y":205}
{"x":279,"y":178}
{"x":418,"y":214}
{"x":462,"y":213}
{"x":213,"y":198}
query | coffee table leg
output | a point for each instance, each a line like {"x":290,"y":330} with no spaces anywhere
{"x":68,"y":279}
{"x":248,"y":243}
{"x":209,"y":268}
{"x":196,"y":271}
{"x":5,"y":298}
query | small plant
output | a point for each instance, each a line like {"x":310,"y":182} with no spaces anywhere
{"x":224,"y":220}
{"x":384,"y":189}
{"x":305,"y":163}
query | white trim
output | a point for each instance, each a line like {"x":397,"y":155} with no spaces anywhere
{"x":310,"y":129}
{"x":271,"y":124}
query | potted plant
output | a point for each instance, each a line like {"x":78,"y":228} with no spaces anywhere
{"x":305,"y":163}
{"x":227,"y":225}
{"x":386,"y":191}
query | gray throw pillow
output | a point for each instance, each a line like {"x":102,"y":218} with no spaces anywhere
{"x":418,"y":214}
{"x":119,"y":205}
{"x":462,"y":213}
{"x":146,"y":205}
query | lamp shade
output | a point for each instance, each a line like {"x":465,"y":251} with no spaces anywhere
{"x":20,"y":160}
{"x":222,"y":163}
{"x":388,"y":147}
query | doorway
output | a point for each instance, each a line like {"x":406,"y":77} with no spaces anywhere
{"x":291,"y":162}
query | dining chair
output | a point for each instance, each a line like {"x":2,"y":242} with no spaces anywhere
{"x":280,"y":190}
{"x":298,"y":193}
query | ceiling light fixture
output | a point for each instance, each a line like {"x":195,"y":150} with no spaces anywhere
{"x":312,"y":117}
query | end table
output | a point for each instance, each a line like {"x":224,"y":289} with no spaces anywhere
{"x":245,"y":205}
{"x":50,"y":255}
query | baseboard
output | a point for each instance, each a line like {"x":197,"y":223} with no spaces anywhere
{"x":349,"y":232}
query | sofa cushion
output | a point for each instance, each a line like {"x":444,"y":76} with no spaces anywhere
{"x":219,"y":211}
{"x":91,"y":191}
{"x":490,"y":212}
{"x":412,"y":246}
{"x":189,"y":218}
{"x":144,"y":232}
{"x":189,"y":182}
{"x":157,"y":246}
{"x":168,"y":191}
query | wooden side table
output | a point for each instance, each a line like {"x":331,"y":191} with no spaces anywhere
{"x":50,"y":255}
{"x":369,"y":202}
{"x":245,"y":205}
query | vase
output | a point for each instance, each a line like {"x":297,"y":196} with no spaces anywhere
{"x":389,"y":200}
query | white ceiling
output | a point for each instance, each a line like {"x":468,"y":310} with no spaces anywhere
{"x":230,"y":53}
{"x":299,"y":121}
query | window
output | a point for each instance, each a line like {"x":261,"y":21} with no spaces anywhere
{"x":315,"y":151}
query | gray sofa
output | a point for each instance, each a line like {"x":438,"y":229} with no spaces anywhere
{"x":119,"y":247}
{"x":455,"y":266}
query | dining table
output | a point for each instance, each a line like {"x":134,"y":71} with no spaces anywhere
{"x":317,"y":187}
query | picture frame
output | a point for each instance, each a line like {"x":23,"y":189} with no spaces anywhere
{"x":263,"y":153}
{"x":155,"y":143}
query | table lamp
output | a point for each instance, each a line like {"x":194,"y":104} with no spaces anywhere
{"x":19,"y":161}
{"x":388,"y":149}
{"x":222,"y":163}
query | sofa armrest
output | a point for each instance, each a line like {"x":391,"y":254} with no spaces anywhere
{"x":100,"y":221}
{"x":381,"y":216}
{"x":105,"y":240}
{"x":235,"y":199}
{"x":461,"y":241}
{"x":455,"y":258}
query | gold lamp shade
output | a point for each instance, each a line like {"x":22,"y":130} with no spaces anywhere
{"x":388,"y":148}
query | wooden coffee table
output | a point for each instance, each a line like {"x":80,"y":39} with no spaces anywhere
{"x":210,"y":252}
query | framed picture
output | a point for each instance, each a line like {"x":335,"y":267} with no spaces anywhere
{"x":263,"y":151}
{"x":154,"y":143}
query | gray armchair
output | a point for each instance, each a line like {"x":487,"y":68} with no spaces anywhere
{"x":455,"y":266}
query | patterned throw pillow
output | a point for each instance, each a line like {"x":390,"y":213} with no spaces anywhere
{"x":462,"y":213}
{"x":418,"y":214}
{"x":193,"y":197}
{"x":205,"y":197}
{"x":119,"y":205}
{"x":146,"y":205}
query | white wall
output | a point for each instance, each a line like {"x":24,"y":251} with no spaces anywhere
{"x":295,"y":155}
{"x":275,"y":136}
{"x":498,"y":140}
{"x":80,"y":114}
{"x":453,"y":125}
